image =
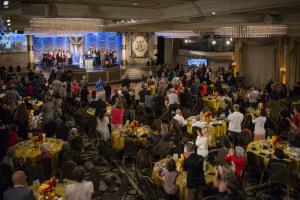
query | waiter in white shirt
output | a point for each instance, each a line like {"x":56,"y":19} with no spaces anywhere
{"x":235,"y":120}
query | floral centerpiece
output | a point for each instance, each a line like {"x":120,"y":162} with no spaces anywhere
{"x":46,"y":190}
{"x":207,"y":116}
{"x":38,"y":139}
{"x":133,"y":125}
{"x":274,"y":141}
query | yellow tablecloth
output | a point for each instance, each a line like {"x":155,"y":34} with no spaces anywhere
{"x":117,"y":136}
{"x":59,"y":189}
{"x":260,"y":148}
{"x":181,"y":179}
{"x":26,"y":150}
{"x":215,"y":131}
{"x":214,"y":103}
{"x":38,"y":105}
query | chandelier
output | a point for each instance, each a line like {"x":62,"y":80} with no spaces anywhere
{"x":64,"y":26}
{"x":177,"y":34}
{"x":252,"y":31}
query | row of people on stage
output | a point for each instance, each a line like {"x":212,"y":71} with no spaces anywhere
{"x":57,"y":58}
{"x":101,"y":57}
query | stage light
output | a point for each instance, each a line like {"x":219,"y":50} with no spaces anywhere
{"x":228,"y":42}
{"x":214,"y":42}
{"x":5,"y":3}
{"x":213,"y":13}
{"x":16,"y":31}
{"x":186,"y":41}
{"x":231,"y":39}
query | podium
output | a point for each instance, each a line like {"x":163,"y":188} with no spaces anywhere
{"x":88,"y":63}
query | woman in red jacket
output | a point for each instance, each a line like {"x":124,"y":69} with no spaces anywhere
{"x":204,"y":88}
{"x":238,"y":161}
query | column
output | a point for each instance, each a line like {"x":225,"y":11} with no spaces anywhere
{"x":154,"y":47}
{"x":124,"y":61}
{"x":30,"y":52}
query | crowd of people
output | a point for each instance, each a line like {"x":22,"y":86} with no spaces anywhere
{"x":165,"y":94}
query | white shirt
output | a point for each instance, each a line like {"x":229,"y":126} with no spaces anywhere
{"x":235,"y":120}
{"x":202,"y":145}
{"x":173,"y":98}
{"x":79,"y":191}
{"x":253,"y":96}
{"x":181,"y":121}
{"x":259,"y":125}
{"x":199,"y":124}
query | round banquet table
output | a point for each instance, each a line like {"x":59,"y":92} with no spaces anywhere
{"x":213,"y":102}
{"x":263,"y":150}
{"x":118,"y":134}
{"x":215,"y":129}
{"x":26,"y":150}
{"x":59,"y":189}
{"x":181,"y":179}
{"x":91,"y":111}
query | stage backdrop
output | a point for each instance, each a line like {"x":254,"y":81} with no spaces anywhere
{"x":78,"y":45}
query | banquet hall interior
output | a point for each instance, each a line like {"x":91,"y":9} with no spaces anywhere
{"x":149,"y":100}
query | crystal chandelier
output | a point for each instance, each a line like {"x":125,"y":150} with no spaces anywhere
{"x":64,"y":26}
{"x":252,"y":31}
{"x":177,"y":34}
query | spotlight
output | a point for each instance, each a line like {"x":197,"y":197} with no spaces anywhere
{"x":5,"y":3}
{"x":227,"y":42}
{"x":213,"y":13}
{"x":231,"y":39}
{"x":214,"y":42}
{"x":186,"y":41}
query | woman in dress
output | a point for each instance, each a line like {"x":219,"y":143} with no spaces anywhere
{"x":259,"y":130}
{"x":102,"y":126}
{"x":202,"y":142}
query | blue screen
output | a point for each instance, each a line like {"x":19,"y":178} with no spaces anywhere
{"x":13,"y":43}
{"x":197,"y":62}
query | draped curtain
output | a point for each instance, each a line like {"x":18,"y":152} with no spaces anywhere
{"x":294,"y":62}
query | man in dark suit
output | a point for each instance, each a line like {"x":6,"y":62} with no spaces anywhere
{"x":19,"y":192}
{"x":193,"y":164}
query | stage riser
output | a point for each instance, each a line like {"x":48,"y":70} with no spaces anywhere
{"x":111,"y":75}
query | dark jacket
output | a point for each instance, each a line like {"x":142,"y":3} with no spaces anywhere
{"x":18,"y":193}
{"x":195,"y":174}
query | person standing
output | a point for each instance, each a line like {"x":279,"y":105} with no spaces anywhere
{"x":235,"y":120}
{"x":195,"y":182}
{"x":170,"y":175}
{"x":259,"y":129}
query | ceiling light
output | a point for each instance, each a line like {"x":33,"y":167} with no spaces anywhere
{"x":135,"y":4}
{"x":16,"y":31}
{"x":5,"y":3}
{"x":8,"y":24}
{"x":214,"y":42}
{"x":186,"y":41}
{"x":8,"y":20}
{"x":122,"y":21}
{"x":213,"y":13}
{"x":231,"y":39}
{"x":118,"y":22}
{"x":101,"y":25}
{"x":227,"y":42}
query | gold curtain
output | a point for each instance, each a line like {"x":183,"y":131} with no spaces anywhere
{"x":293,"y":62}
{"x":280,"y":69}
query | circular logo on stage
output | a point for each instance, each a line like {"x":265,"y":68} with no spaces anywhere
{"x":140,"y":46}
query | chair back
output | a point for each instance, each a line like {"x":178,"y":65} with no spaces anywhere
{"x":35,"y":172}
{"x":67,"y":169}
{"x":278,"y":173}
{"x":95,"y":177}
{"x":130,"y":147}
{"x":254,"y":161}
{"x":221,"y":156}
{"x":70,"y":155}
{"x":47,"y":166}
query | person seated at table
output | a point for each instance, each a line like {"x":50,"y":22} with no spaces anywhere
{"x":202,"y":142}
{"x":22,"y":119}
{"x":67,"y":154}
{"x":195,"y":182}
{"x":102,"y":126}
{"x":236,"y":158}
{"x":180,"y":147}
{"x":230,"y":189}
{"x":45,"y":152}
{"x":19,"y":191}
{"x":277,"y":157}
{"x":170,"y":175}
{"x":8,"y":160}
{"x":82,"y":189}
{"x":204,"y":89}
{"x":179,"y":118}
{"x":13,"y":138}
{"x":117,"y":115}
{"x":259,"y":129}
{"x":235,"y":120}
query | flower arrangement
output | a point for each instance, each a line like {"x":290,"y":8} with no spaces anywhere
{"x":207,"y":116}
{"x":132,"y":126}
{"x":36,"y":140}
{"x":274,"y":141}
{"x":46,"y":190}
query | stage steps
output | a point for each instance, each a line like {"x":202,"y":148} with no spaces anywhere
{"x":135,"y":73}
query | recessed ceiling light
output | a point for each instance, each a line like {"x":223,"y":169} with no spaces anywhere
{"x":5,"y":3}
{"x":227,"y":42}
{"x":213,"y":13}
{"x":8,"y":24}
{"x":118,"y":22}
{"x":101,"y":25}
{"x":8,"y":20}
{"x":122,"y":21}
{"x":214,"y":42}
{"x":135,"y":4}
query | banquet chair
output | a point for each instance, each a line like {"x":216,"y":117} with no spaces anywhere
{"x":35,"y":172}
{"x":255,"y":164}
{"x":220,"y":158}
{"x":67,"y":169}
{"x":278,"y":174}
{"x":95,"y":177}
{"x":130,"y":149}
